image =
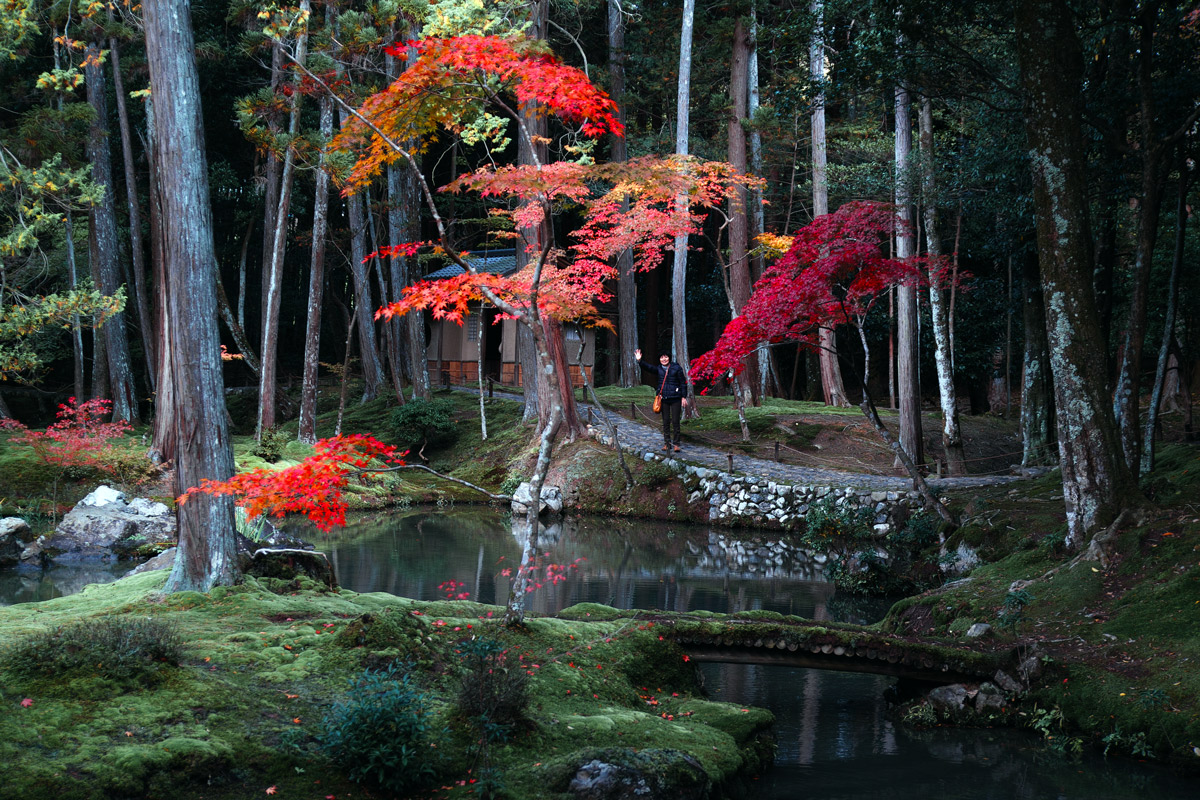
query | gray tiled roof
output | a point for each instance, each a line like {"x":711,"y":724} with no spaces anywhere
{"x":497,"y":262}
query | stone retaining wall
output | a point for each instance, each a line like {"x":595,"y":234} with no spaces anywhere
{"x":738,"y":500}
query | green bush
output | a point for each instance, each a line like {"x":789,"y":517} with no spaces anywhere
{"x":128,"y":652}
{"x":495,"y":689}
{"x":833,"y":527}
{"x":385,"y":732}
{"x":271,"y":444}
{"x":425,"y":422}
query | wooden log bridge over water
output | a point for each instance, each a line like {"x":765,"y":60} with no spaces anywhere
{"x":796,"y":642}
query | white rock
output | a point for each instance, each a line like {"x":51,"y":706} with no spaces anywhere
{"x":148,"y":508}
{"x":103,"y":496}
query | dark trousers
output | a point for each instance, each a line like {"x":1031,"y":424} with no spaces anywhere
{"x":672,"y":412}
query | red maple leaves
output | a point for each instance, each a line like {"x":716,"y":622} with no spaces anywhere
{"x":314,"y":487}
{"x":832,"y":274}
{"x":632,"y":205}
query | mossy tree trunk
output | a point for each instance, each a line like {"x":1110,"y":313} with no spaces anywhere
{"x":1097,"y":483}
{"x":206,"y":556}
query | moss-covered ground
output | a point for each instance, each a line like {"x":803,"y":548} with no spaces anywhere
{"x":1120,"y":641}
{"x":266,"y":662}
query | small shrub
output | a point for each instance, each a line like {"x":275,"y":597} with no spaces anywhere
{"x":511,"y":483}
{"x":271,"y":444}
{"x":385,"y":732}
{"x":494,"y":688}
{"x":655,"y":474}
{"x":419,"y":422}
{"x":920,"y":531}
{"x":829,"y":526}
{"x":126,"y":651}
{"x":130,"y":468}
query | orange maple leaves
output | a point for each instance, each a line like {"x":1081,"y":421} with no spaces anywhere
{"x":314,"y":487}
{"x":450,"y":77}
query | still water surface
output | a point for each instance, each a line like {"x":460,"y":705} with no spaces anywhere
{"x":834,"y":740}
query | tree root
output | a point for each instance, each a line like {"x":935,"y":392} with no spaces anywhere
{"x":1100,"y":548}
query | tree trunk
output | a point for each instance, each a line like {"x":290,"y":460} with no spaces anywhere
{"x":739,"y":230}
{"x":952,"y":442}
{"x":363,"y":305}
{"x":76,"y":327}
{"x":307,"y":431}
{"x":832,"y":386}
{"x":103,"y":223}
{"x":404,"y":225}
{"x":1038,"y":429}
{"x":163,"y":448}
{"x":1160,"y":372}
{"x":1155,"y":157}
{"x":137,"y":249}
{"x":768,"y":369}
{"x":532,"y":150}
{"x":908,"y":386}
{"x":273,"y":280}
{"x":679,"y":269}
{"x":270,"y":187}
{"x":206,"y":555}
{"x":1097,"y":483}
{"x":631,"y":374}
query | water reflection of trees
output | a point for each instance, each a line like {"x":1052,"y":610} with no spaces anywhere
{"x":624,"y":563}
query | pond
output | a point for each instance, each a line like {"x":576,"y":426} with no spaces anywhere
{"x":834,"y":739}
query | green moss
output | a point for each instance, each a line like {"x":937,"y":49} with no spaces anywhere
{"x":244,"y":706}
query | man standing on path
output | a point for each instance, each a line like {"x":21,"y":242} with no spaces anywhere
{"x":671,"y":383}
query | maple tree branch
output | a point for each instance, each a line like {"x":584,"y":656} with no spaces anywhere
{"x":391,"y":143}
{"x":398,"y":467}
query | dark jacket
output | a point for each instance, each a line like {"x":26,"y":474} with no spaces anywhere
{"x":675,"y":386}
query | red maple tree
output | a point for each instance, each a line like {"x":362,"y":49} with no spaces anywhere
{"x":833,"y":273}
{"x":641,"y":205}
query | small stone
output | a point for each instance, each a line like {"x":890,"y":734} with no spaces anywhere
{"x":948,"y":699}
{"x":978,"y":629}
{"x":1006,"y":682}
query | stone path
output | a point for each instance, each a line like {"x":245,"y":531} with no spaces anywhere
{"x":645,"y":442}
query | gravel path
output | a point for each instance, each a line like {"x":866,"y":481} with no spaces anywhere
{"x":645,"y":442}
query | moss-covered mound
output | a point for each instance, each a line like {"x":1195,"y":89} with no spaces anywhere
{"x":270,"y":681}
{"x":1119,"y":639}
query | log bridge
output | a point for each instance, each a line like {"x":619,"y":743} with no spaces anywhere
{"x":796,"y":642}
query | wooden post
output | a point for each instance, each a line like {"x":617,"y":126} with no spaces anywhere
{"x":632,"y":410}
{"x":730,"y":457}
{"x":776,"y":451}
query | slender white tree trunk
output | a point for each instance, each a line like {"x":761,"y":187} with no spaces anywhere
{"x":679,"y":269}
{"x":951,"y":435}
{"x":274,"y":279}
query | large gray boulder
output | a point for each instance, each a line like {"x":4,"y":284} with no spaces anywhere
{"x":14,"y":532}
{"x":551,"y":500}
{"x":104,"y":527}
{"x":617,"y":774}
